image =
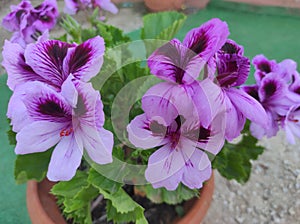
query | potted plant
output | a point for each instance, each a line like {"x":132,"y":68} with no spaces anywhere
{"x":125,"y":128}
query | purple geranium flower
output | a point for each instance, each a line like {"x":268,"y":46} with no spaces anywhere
{"x":181,"y":63}
{"x":28,"y":23}
{"x":70,"y":120}
{"x":52,"y":61}
{"x":292,"y":124}
{"x":232,"y":71}
{"x":277,"y":97}
{"x":179,"y":159}
{"x":73,"y":6}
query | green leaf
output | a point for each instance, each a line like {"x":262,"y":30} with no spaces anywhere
{"x":160,"y":26}
{"x":75,"y":197}
{"x":70,"y":188}
{"x":72,"y":27}
{"x":120,"y":206}
{"x":234,"y":160}
{"x":161,"y":195}
{"x":163,"y":25}
{"x":99,"y":181}
{"x":11,"y":137}
{"x":136,"y":215}
{"x":32,"y":166}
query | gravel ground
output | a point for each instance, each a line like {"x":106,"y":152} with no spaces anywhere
{"x":272,"y":195}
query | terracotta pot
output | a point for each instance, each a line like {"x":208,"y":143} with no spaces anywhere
{"x":164,"y":5}
{"x":42,"y":206}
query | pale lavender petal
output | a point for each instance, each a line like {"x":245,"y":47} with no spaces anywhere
{"x":85,"y":60}
{"x":89,"y":108}
{"x":141,"y":135}
{"x":292,"y":123}
{"x":16,"y":110}
{"x":287,"y":68}
{"x":165,"y":168}
{"x":208,"y":98}
{"x":65,"y":160}
{"x":38,"y":136}
{"x":176,"y":99}
{"x":206,"y":40}
{"x":173,"y":62}
{"x":69,"y":91}
{"x":107,"y":5}
{"x":71,"y":7}
{"x":248,"y":106}
{"x":46,"y":59}
{"x":235,"y":120}
{"x":257,"y":131}
{"x":197,"y":170}
{"x":14,"y":63}
{"x":158,"y":108}
{"x":98,"y":144}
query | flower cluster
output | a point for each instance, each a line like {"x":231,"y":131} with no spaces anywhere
{"x":53,"y":105}
{"x":187,"y":117}
{"x":27,"y":22}
{"x":277,"y":88}
{"x":73,"y":6}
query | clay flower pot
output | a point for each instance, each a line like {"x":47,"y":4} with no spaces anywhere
{"x":165,"y":5}
{"x":42,"y":206}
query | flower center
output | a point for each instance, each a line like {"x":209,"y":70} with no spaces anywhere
{"x":65,"y":132}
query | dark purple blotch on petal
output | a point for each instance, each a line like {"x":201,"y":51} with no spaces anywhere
{"x":79,"y":58}
{"x":200,"y":42}
{"x":270,"y":88}
{"x":201,"y":135}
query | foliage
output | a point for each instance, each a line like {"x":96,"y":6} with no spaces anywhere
{"x":234,"y":160}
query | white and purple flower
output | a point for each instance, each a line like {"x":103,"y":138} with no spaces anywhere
{"x":73,"y":6}
{"x":52,"y":61}
{"x":277,"y":90}
{"x":70,"y":120}
{"x":180,"y":138}
{"x":28,"y":22}
{"x":232,"y":71}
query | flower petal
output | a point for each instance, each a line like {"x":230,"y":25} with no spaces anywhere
{"x":46,"y":59}
{"x":65,"y":160}
{"x":17,"y":70}
{"x":16,"y":110}
{"x":197,"y":170}
{"x":172,"y":62}
{"x":85,"y":60}
{"x":248,"y":106}
{"x":207,"y":39}
{"x":44,"y":103}
{"x":208,"y":99}
{"x":165,"y":168}
{"x":168,"y":100}
{"x":140,"y":135}
{"x":235,"y":120}
{"x":107,"y":5}
{"x":69,"y":91}
{"x":38,"y":136}
{"x":98,"y":143}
